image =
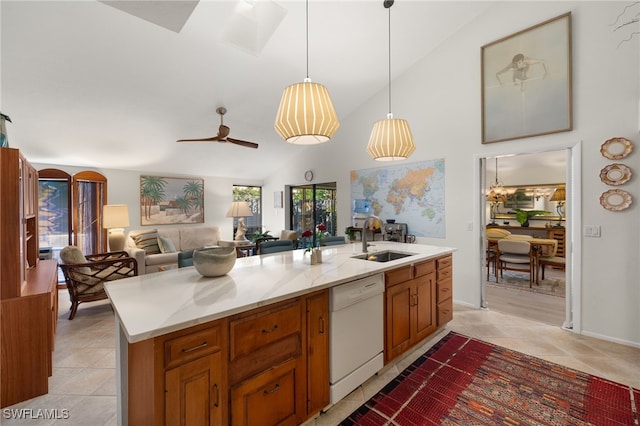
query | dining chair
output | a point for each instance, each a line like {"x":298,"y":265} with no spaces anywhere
{"x":333,"y":241}
{"x":553,"y":261}
{"x":288,"y":234}
{"x":516,"y":255}
{"x":275,"y":246}
{"x":258,"y":242}
{"x":185,"y":258}
{"x":493,"y":235}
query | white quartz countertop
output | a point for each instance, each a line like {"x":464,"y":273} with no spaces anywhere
{"x":155,"y":304}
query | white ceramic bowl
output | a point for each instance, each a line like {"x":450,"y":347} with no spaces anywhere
{"x":214,"y":261}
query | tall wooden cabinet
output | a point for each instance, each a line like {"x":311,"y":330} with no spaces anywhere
{"x":28,"y":287}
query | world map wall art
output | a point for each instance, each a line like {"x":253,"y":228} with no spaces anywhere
{"x":409,"y":193}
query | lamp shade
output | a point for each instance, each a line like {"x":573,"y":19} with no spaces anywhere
{"x":239,"y":209}
{"x":559,"y":195}
{"x":391,"y":140}
{"x":306,"y":115}
{"x":115,"y":216}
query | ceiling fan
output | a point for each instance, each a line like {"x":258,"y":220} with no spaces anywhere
{"x":223,"y":133}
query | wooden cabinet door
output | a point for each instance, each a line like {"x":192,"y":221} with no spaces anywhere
{"x":398,"y":319}
{"x":424,"y":302}
{"x":317,"y":352}
{"x":193,"y":392}
{"x":266,"y":399}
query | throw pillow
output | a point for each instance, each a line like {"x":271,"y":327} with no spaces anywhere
{"x":166,"y":245}
{"x":72,"y":255}
{"x":147,"y":241}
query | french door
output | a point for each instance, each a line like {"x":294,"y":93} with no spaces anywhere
{"x":70,"y":210}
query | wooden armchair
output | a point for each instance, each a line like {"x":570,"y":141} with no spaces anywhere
{"x":85,"y":279}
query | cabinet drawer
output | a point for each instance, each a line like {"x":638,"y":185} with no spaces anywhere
{"x":191,"y":346}
{"x":444,"y":290}
{"x":250,"y":333}
{"x":397,"y":276}
{"x":444,"y":262}
{"x":445,"y":311}
{"x":424,"y":268}
{"x":266,"y":399}
{"x":444,"y":273}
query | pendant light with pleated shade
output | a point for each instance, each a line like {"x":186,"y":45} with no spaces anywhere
{"x":391,"y":138}
{"x":306,"y":115}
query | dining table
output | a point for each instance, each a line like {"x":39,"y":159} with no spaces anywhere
{"x":540,"y":247}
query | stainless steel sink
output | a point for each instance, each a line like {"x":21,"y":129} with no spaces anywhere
{"x":383,"y":256}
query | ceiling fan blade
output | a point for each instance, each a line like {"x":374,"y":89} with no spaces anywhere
{"x":211,"y":139}
{"x":242,"y":143}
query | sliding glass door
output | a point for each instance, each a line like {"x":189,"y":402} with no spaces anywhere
{"x":312,"y":205}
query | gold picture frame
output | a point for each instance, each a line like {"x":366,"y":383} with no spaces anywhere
{"x":526,"y":82}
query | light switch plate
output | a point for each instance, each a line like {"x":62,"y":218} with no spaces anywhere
{"x":592,"y":231}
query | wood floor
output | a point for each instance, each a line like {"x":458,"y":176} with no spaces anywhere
{"x":537,"y":307}
{"x":524,"y":304}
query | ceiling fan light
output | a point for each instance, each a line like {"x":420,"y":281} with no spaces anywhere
{"x":306,"y":115}
{"x":391,"y":140}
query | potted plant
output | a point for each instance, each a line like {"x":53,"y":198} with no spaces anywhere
{"x":523,"y":216}
{"x":259,"y":234}
{"x":351,"y":234}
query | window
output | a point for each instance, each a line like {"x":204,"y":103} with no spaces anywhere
{"x":253,"y":196}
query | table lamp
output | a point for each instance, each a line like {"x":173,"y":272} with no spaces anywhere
{"x":114,"y":218}
{"x":559,"y":196}
{"x":240,"y":210}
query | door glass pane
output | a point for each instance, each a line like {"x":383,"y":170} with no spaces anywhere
{"x":53,"y":217}
{"x":253,"y":196}
{"x":89,"y":206}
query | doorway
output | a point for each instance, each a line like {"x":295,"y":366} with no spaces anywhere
{"x":571,"y":155}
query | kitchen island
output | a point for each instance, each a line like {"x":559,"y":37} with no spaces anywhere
{"x":159,"y":315}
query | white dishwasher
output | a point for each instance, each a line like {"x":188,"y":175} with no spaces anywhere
{"x":356,"y":334}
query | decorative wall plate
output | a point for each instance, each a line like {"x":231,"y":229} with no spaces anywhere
{"x":615,"y":200}
{"x":615,"y":174}
{"x":616,"y":148}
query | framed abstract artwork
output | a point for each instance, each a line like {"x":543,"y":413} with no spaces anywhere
{"x":526,"y":82}
{"x":168,"y":200}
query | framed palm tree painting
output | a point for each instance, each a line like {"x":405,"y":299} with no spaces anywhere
{"x":168,"y":200}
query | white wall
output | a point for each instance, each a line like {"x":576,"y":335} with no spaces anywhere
{"x":123,"y":187}
{"x":440,"y":97}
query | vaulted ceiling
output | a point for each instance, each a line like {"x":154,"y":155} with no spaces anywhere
{"x":114,"y":84}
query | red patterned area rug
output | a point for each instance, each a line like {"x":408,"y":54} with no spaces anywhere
{"x":464,"y":381}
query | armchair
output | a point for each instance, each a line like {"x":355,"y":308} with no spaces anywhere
{"x":85,"y":275}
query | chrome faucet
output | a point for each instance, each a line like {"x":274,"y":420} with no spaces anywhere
{"x":365,"y":225}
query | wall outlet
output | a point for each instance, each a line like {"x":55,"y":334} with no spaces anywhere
{"x":592,"y":231}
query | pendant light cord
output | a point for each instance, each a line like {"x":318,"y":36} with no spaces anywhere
{"x":389,"y":59}
{"x":387,"y":4}
{"x":307,"y":20}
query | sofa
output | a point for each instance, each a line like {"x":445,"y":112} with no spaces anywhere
{"x":157,"y":249}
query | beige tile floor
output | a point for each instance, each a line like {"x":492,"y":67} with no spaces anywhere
{"x":83,"y":381}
